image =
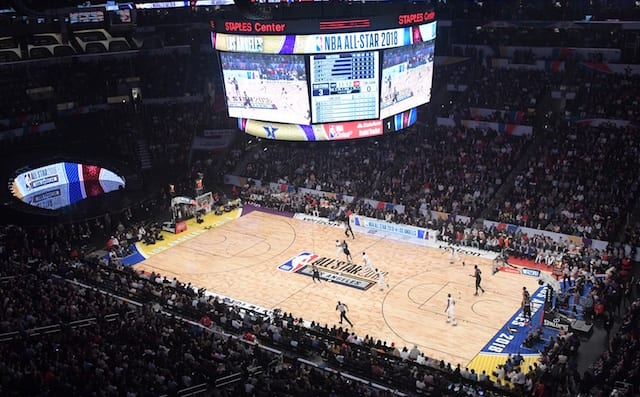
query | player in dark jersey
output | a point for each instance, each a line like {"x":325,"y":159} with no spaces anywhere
{"x":526,"y":304}
{"x":315,"y":273}
{"x":347,"y":229}
{"x":347,"y":253}
{"x":478,"y":276}
{"x":236,"y":86}
{"x":247,"y":100}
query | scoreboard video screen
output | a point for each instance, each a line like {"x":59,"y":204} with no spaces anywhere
{"x":59,"y":185}
{"x":326,"y":80}
{"x":407,"y":74}
{"x":344,"y":87}
{"x":266,"y":87}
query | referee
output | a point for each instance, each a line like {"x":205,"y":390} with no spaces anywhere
{"x":315,"y":273}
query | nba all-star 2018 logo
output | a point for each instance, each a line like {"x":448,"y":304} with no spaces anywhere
{"x":330,"y":269}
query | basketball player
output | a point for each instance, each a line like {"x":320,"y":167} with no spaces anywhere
{"x":478,"y":276}
{"x":247,"y":100}
{"x":236,"y":86}
{"x":347,"y":253}
{"x":453,"y":255}
{"x":526,"y":304}
{"x":343,"y":308}
{"x":451,"y":310}
{"x":367,"y":267}
{"x":347,"y":229}
{"x":338,"y":249}
{"x":381,"y":282}
{"x":315,"y":273}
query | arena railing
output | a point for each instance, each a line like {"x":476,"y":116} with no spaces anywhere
{"x":349,"y":376}
{"x":392,"y":360}
{"x":50,"y":329}
{"x":201,"y":388}
{"x":197,"y":390}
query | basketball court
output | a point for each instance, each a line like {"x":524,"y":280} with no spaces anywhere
{"x":260,"y":257}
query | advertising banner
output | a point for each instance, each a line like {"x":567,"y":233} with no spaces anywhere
{"x":324,"y":43}
{"x":318,"y":132}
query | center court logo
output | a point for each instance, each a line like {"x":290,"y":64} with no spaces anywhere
{"x":332,"y":270}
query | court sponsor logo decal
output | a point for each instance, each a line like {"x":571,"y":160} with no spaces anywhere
{"x":317,"y":219}
{"x":510,"y":338}
{"x":530,"y":272}
{"x":331,"y":270}
{"x":509,"y":269}
{"x":470,"y":251}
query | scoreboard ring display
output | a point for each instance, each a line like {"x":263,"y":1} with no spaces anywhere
{"x":326,"y":79}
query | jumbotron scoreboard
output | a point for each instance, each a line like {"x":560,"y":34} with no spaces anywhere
{"x":317,"y":79}
{"x":344,"y":87}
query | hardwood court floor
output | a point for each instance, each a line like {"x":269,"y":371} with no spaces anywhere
{"x":240,"y":260}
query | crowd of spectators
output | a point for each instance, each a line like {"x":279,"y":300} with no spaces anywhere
{"x":169,"y":130}
{"x":535,"y":11}
{"x":603,"y":95}
{"x":458,"y":113}
{"x":507,"y":89}
{"x":570,"y":187}
{"x":617,"y":367}
{"x":448,"y":169}
{"x":562,"y":35}
{"x":90,"y":81}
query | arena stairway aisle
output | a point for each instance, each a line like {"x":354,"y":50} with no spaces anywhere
{"x":540,"y":134}
{"x":142,"y":150}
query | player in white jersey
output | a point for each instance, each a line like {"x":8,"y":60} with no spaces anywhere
{"x":451,"y":310}
{"x":367,"y":266}
{"x":453,"y":255}
{"x":338,"y":249}
{"x":381,"y":283}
